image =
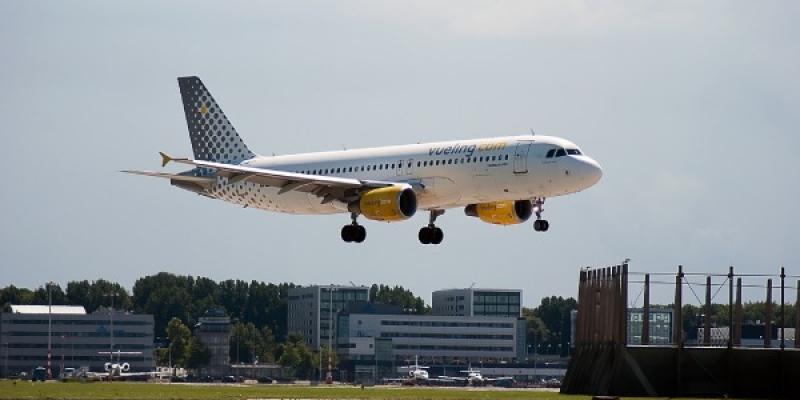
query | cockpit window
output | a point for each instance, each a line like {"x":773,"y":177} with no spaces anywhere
{"x":573,"y":152}
{"x":550,"y":153}
{"x":561,"y":153}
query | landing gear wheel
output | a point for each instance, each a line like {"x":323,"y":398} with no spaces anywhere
{"x":354,"y":232}
{"x":541,"y":225}
{"x":360,"y":233}
{"x":425,"y":235}
{"x":347,"y":233}
{"x":431,"y":234}
{"x":438,"y":236}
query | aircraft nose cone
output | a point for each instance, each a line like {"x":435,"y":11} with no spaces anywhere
{"x":593,"y":171}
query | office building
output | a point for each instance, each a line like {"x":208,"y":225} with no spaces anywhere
{"x":660,"y":325}
{"x":435,"y":339}
{"x":309,"y":310}
{"x":77,"y":339}
{"x":477,"y":302}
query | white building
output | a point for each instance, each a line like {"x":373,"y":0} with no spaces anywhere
{"x":439,"y":339}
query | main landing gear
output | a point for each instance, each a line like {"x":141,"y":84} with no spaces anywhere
{"x":354,"y":232}
{"x":540,"y":225}
{"x":431,"y":234}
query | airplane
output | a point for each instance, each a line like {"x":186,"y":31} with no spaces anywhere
{"x":119,"y":369}
{"x":416,"y":372}
{"x":500,"y":180}
{"x":475,"y":378}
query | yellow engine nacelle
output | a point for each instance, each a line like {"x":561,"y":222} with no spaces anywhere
{"x":393,"y":203}
{"x":508,"y":212}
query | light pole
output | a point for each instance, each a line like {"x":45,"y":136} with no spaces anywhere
{"x":329,"y":375}
{"x":5,"y":362}
{"x":49,"y":329}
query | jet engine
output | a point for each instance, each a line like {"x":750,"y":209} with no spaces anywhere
{"x":107,"y":366}
{"x":393,"y":203}
{"x":126,"y":367}
{"x":508,"y":212}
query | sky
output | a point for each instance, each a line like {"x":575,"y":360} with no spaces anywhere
{"x":690,"y":107}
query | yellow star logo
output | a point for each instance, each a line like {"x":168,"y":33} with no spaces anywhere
{"x":203,"y":109}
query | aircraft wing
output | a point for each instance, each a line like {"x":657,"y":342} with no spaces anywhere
{"x":203,"y":181}
{"x":329,"y":188}
{"x":499,"y":378}
{"x":452,"y":378}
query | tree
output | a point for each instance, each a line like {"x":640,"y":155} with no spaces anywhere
{"x":399,"y":296}
{"x":179,"y":342}
{"x":554,"y":312}
{"x":199,"y":354}
{"x":297,"y":357}
{"x":536,"y":330}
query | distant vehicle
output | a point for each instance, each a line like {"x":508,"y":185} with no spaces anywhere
{"x":499,"y":180}
{"x":229,"y":379}
{"x":39,"y":374}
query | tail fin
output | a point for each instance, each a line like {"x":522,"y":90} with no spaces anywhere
{"x":212,"y":135}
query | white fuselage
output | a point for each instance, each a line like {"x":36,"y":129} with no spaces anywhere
{"x":444,"y":175}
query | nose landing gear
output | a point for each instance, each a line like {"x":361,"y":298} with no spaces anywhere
{"x":540,"y":225}
{"x":431,"y":234}
{"x":354,"y":232}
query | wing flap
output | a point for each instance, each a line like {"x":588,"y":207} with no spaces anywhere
{"x":202,"y":180}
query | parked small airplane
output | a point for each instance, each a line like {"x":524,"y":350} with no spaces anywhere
{"x":416,"y":372}
{"x":475,"y":378}
{"x":119,"y":369}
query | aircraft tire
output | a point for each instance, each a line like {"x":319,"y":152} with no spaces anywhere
{"x":359,"y":233}
{"x":347,"y":233}
{"x":425,"y":235}
{"x":438,"y":236}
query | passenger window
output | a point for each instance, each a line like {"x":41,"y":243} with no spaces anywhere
{"x":506,"y":157}
{"x":380,"y":166}
{"x":494,"y":158}
{"x":409,"y":165}
{"x":338,"y":170}
{"x":481,"y":159}
{"x":550,"y":153}
{"x":561,"y":153}
{"x":392,"y":166}
{"x":450,"y":161}
{"x":367,"y":167}
{"x":437,"y":162}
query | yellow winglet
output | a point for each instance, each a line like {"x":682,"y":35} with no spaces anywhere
{"x":165,"y":159}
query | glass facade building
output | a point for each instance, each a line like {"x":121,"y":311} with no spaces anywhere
{"x":478,"y":302}
{"x":312,"y":310}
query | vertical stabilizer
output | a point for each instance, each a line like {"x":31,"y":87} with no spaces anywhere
{"x":212,"y":135}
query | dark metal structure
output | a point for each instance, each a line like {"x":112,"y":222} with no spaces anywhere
{"x":604,"y":364}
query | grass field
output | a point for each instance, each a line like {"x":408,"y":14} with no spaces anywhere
{"x":132,"y":391}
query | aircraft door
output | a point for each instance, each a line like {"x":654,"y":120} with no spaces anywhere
{"x":409,"y":166}
{"x":521,"y":157}
{"x":399,"y":170}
